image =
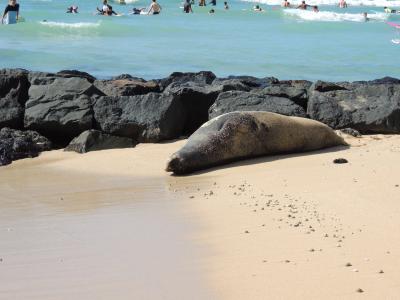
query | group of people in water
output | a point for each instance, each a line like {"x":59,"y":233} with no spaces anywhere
{"x":187,"y":5}
{"x":11,"y":12}
{"x":153,"y":9}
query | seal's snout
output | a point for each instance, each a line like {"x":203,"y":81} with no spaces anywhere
{"x":174,"y":164}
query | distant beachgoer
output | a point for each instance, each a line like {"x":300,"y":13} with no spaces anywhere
{"x":226,"y":6}
{"x":11,"y":13}
{"x":285,"y":3}
{"x":213,"y":2}
{"x":154,"y":8}
{"x":211,"y":11}
{"x":257,"y":8}
{"x":366,"y":19}
{"x":72,"y":9}
{"x":389,"y":10}
{"x":342,"y":4}
{"x":303,"y":5}
{"x":107,"y":10}
{"x":315,"y":9}
{"x":137,"y":11}
{"x":187,"y":7}
{"x":202,"y":3}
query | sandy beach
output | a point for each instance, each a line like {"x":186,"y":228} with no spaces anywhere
{"x":114,"y":224}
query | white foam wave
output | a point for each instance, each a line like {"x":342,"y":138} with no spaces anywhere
{"x":329,"y":16}
{"x":70,"y":25}
{"x":378,"y":3}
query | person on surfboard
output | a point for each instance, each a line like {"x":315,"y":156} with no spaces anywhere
{"x":11,"y":13}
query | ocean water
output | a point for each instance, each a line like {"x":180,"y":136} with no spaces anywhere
{"x":334,"y":44}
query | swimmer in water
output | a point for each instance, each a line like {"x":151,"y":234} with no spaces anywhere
{"x":211,"y":11}
{"x":257,"y":8}
{"x":226,"y":6}
{"x":213,"y":2}
{"x":187,"y":7}
{"x":72,"y":9}
{"x":285,"y":3}
{"x":303,"y":5}
{"x":137,"y":11}
{"x":366,"y":19}
{"x":154,"y":8}
{"x":342,"y":4}
{"x":315,"y":9}
{"x":390,"y":11}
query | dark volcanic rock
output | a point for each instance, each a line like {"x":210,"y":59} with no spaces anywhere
{"x":249,"y":81}
{"x":94,"y":140}
{"x":145,"y":118}
{"x":254,"y":101}
{"x":295,"y":92}
{"x":365,"y":106}
{"x":62,"y":109}
{"x":126,"y":87}
{"x":16,"y":144}
{"x":5,"y":153}
{"x":13,"y":95}
{"x":323,"y":86}
{"x":351,"y":132}
{"x":196,"y":99}
{"x":75,"y":73}
{"x":203,"y":77}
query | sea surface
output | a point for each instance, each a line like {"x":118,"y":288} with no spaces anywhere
{"x":334,"y":44}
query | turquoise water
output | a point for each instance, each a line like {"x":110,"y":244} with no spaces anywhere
{"x":335,"y":44}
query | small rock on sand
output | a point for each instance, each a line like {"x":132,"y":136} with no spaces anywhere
{"x":340,"y":161}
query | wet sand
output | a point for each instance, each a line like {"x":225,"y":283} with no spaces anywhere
{"x":79,"y":227}
{"x":112,"y":224}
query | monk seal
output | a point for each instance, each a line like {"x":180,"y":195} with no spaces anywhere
{"x":238,"y":135}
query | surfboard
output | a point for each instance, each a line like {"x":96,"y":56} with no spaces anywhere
{"x":11,"y":18}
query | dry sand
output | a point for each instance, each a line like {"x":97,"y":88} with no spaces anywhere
{"x":113,"y":225}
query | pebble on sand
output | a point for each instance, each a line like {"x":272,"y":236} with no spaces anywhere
{"x":340,"y":161}
{"x":360,"y":290}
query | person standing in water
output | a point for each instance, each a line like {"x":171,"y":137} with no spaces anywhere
{"x":213,"y":2}
{"x":154,"y":8}
{"x":285,"y":3}
{"x":187,"y":7}
{"x":202,"y":3}
{"x":342,"y":4}
{"x":303,"y":5}
{"x":11,"y":13}
{"x":226,"y":6}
